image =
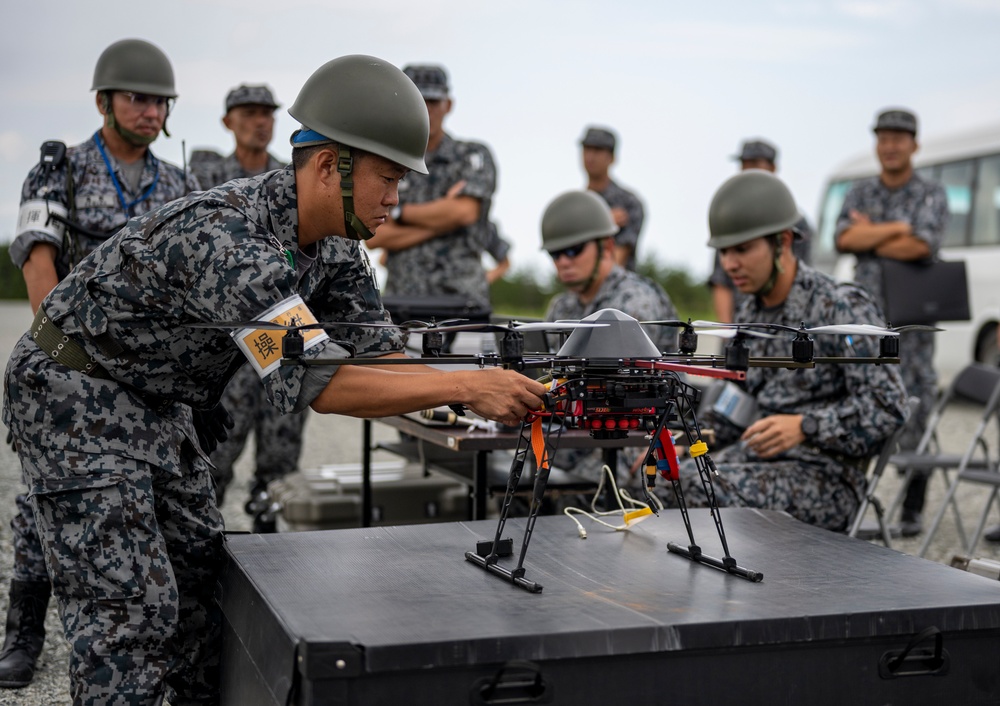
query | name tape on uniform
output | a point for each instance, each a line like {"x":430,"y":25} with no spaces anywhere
{"x":262,"y":347}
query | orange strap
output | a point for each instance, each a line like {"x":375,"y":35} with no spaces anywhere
{"x":538,"y":444}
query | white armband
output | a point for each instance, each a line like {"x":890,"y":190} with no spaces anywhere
{"x":262,"y":347}
{"x":36,"y":215}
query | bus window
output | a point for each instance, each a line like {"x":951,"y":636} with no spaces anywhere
{"x":956,"y":178}
{"x":824,"y":250}
{"x":986,"y":221}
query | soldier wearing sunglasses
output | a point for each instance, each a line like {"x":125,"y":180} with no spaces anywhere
{"x":71,"y":202}
{"x":578,"y":231}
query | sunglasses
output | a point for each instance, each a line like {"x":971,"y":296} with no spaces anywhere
{"x":142,"y":101}
{"x":570,"y":252}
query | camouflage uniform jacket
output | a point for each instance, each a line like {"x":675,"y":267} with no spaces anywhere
{"x":856,"y":406}
{"x":449,"y":263}
{"x":924,"y":205}
{"x":212,"y":169}
{"x":617,"y":197}
{"x":920,"y":203}
{"x":219,"y":255}
{"x":96,"y":204}
{"x":629,"y":293}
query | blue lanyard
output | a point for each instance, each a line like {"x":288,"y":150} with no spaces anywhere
{"x":126,"y":206}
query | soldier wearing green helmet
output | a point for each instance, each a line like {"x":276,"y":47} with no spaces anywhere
{"x":71,"y":202}
{"x":578,"y":232}
{"x":140,"y":334}
{"x":806,"y":444}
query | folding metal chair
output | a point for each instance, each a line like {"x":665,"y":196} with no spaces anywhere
{"x":889,"y":447}
{"x":977,"y":464}
{"x":972,"y":385}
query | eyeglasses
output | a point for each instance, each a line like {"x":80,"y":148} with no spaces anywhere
{"x":142,"y":101}
{"x":570,"y":252}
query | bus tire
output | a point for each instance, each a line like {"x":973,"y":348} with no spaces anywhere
{"x":986,"y":345}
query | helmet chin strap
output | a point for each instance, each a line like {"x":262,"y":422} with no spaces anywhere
{"x":133,"y":138}
{"x":582,"y":285}
{"x":775,"y":271}
{"x":353,"y":227}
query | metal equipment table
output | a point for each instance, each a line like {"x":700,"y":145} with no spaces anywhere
{"x":464,"y":454}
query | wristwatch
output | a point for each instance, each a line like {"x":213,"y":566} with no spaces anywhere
{"x":809,"y":426}
{"x":396,"y":212}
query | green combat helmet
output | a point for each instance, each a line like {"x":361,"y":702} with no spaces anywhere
{"x":574,"y":218}
{"x":752,"y":204}
{"x":364,"y":103}
{"x":137,"y":66}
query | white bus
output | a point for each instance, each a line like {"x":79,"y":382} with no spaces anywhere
{"x":967,"y":165}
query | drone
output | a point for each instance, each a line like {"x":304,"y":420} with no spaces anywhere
{"x":609,"y":379}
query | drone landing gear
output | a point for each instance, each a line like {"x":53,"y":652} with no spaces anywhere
{"x":488,"y":553}
{"x":693,"y":551}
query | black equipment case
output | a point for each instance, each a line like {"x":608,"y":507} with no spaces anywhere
{"x":395,"y":615}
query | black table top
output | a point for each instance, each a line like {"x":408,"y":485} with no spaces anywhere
{"x":405,"y":597}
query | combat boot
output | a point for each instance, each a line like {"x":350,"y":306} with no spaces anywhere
{"x":262,"y":509}
{"x":29,"y":601}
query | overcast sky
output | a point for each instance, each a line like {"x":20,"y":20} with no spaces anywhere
{"x":681,"y":83}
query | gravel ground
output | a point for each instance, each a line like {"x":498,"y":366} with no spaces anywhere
{"x":337,"y":440}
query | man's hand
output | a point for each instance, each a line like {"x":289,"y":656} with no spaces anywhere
{"x":455,"y":190}
{"x":620,"y":215}
{"x":774,"y":435}
{"x":503,"y":395}
{"x":859,"y":218}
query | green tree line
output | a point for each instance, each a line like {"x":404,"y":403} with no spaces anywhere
{"x":525,"y":292}
{"x":11,"y":281}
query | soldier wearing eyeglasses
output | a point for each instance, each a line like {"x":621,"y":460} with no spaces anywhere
{"x":71,"y":202}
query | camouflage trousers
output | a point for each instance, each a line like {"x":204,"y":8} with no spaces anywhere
{"x":278,"y":437}
{"x":29,"y":562}
{"x":817,"y":494}
{"x":133,"y":553}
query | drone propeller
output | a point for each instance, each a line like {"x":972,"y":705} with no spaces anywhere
{"x":274,"y":326}
{"x":734,"y":332}
{"x":515,"y":327}
{"x":839,"y":329}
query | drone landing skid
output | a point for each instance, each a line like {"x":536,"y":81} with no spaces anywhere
{"x":485,"y":558}
{"x":729,"y":565}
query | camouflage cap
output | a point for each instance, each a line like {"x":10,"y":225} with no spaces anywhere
{"x":896,"y":119}
{"x":246,"y":94}
{"x":599,"y":137}
{"x":431,"y":80}
{"x":757,"y":149}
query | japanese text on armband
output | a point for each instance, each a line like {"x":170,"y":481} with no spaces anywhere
{"x":36,"y":216}
{"x":262,"y":347}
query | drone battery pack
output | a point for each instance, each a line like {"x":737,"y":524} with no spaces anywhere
{"x":397,"y":615}
{"x":329,"y":497}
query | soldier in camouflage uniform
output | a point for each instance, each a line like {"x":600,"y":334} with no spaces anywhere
{"x":96,"y":392}
{"x":435,"y":237}
{"x":899,"y":216}
{"x":578,"y":233}
{"x":250,"y":117}
{"x":816,"y":428}
{"x":754,"y":154}
{"x":278,"y":437}
{"x":68,"y":207}
{"x":598,"y":155}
